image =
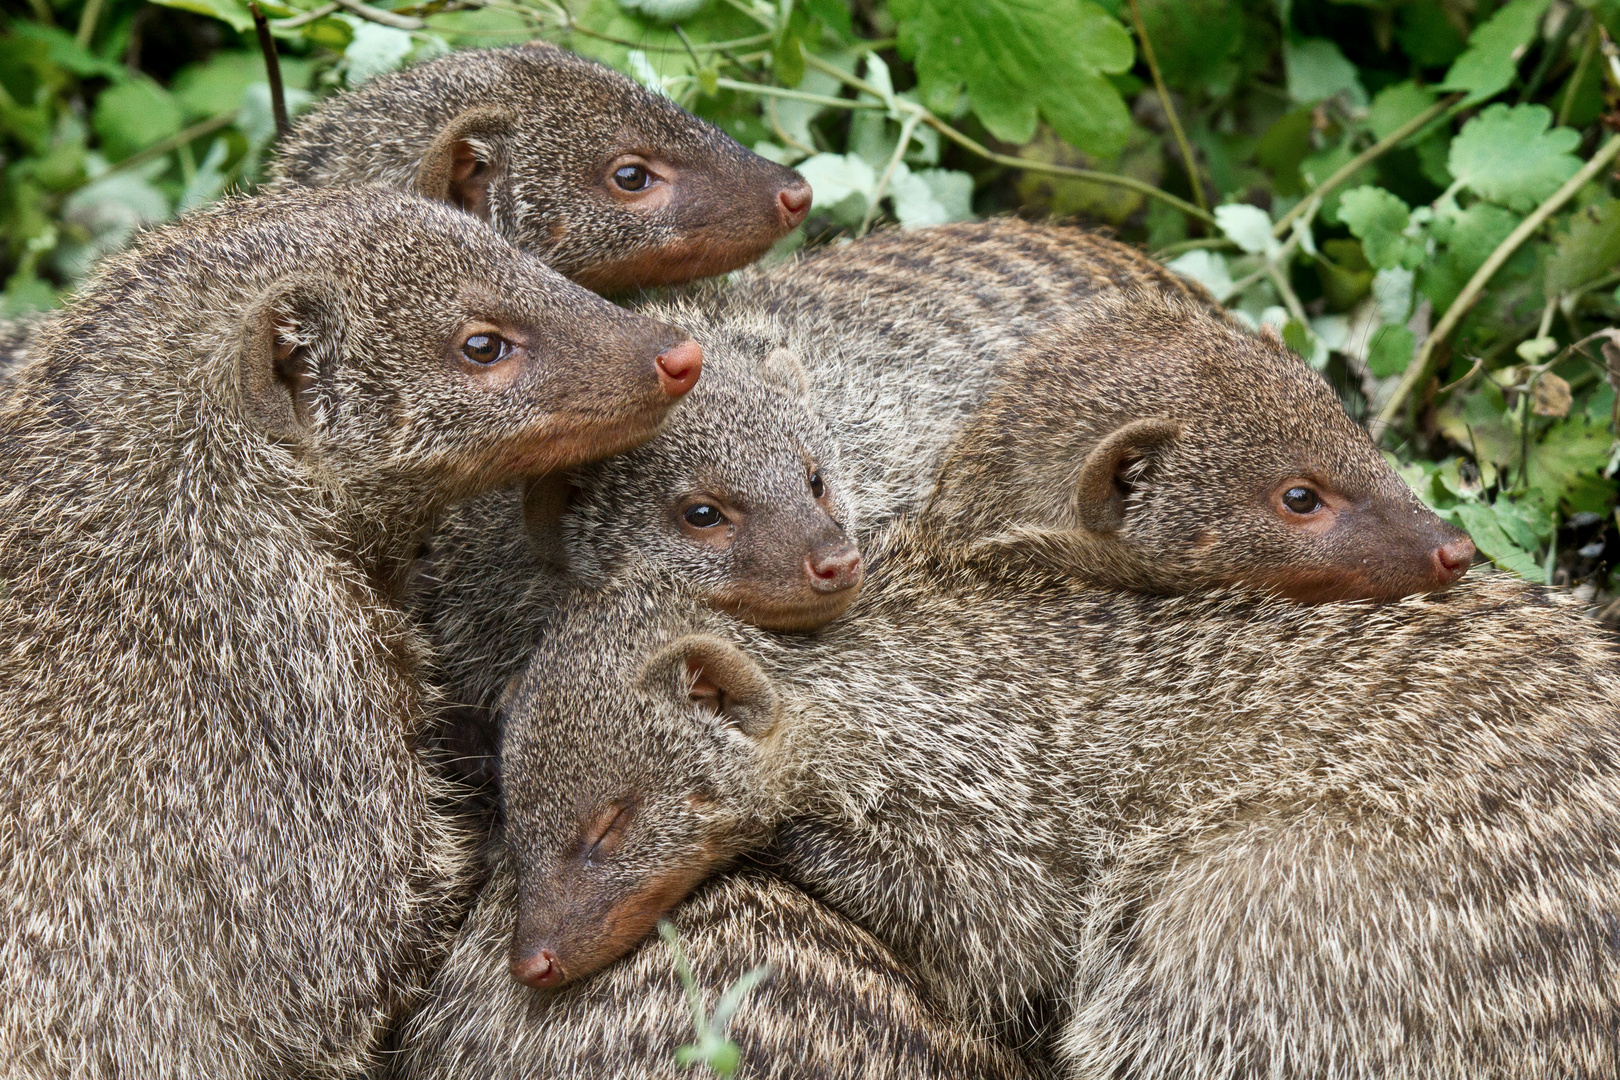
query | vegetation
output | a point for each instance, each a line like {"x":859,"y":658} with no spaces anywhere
{"x":1418,"y":194}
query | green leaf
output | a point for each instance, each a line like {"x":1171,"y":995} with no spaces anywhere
{"x":133,"y":115}
{"x":66,"y":53}
{"x":1207,"y":268}
{"x":1379,"y":220}
{"x":227,"y":11}
{"x":1247,"y":226}
{"x":1492,"y":59}
{"x":1507,"y":155}
{"x":374,"y":50}
{"x":1395,"y":105}
{"x":1426,"y":35}
{"x":1317,"y":70}
{"x":1482,"y":524}
{"x":1020,"y":60}
{"x":1590,"y":248}
{"x":1570,"y":449}
{"x":1390,"y":351}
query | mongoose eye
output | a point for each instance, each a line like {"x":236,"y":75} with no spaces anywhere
{"x":630,"y":177}
{"x":703,"y":516}
{"x":1301,"y":500}
{"x":486,"y":348}
{"x":817,"y":488}
{"x":609,"y":829}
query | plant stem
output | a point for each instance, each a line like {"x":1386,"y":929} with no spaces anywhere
{"x":87,"y":24}
{"x":381,"y":17}
{"x":985,"y":152}
{"x":295,"y":21}
{"x":1354,"y":165}
{"x":272,"y":70}
{"x":174,"y":142}
{"x":1588,"y":50}
{"x":793,"y":95}
{"x":1169,"y":107}
{"x":1418,"y":373}
{"x":907,"y":129}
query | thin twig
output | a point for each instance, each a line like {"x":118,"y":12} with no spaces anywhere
{"x":381,"y":17}
{"x":1290,"y":299}
{"x":1354,"y":165}
{"x":272,"y":70}
{"x":295,"y":21}
{"x":1170,"y":251}
{"x":1588,"y":50}
{"x":1479,"y":362}
{"x":1417,"y":374}
{"x":174,"y":142}
{"x":791,"y":95}
{"x":1169,"y":107}
{"x":907,"y":129}
{"x":87,"y":24}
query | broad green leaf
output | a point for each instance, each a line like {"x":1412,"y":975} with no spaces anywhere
{"x":1492,"y":59}
{"x":842,"y":184}
{"x":1207,"y":268}
{"x":228,"y":11}
{"x":1426,"y":35}
{"x":133,"y":115}
{"x":1395,"y":105}
{"x":1507,"y":155}
{"x":1392,"y":288}
{"x":66,"y":53}
{"x":1390,"y":351}
{"x":1570,"y":449}
{"x":1020,"y":59}
{"x":1317,"y":70}
{"x":1481,"y":523}
{"x":1379,"y":220}
{"x":1590,"y":248}
{"x":1247,"y":226}
{"x":374,"y":50}
{"x":217,"y":84}
{"x":666,"y":10}
{"x":949,"y":197}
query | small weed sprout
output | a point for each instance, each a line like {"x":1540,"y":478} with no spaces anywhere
{"x":710,"y":1047}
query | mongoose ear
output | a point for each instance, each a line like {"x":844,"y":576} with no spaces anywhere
{"x":1104,"y":481}
{"x":784,"y":368}
{"x":291,"y":340}
{"x":718,"y":677}
{"x":464,"y":159}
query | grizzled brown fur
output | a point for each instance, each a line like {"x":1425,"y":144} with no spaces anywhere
{"x":838,"y":1005}
{"x":1145,"y":444}
{"x":533,"y":139}
{"x":221,"y":851}
{"x":1208,"y":836}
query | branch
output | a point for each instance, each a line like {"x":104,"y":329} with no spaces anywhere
{"x":1373,"y":152}
{"x":1418,"y":373}
{"x":307,"y":17}
{"x":272,"y":70}
{"x":381,"y":17}
{"x":1169,"y":107}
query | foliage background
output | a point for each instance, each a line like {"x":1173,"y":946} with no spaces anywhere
{"x":1419,"y":194}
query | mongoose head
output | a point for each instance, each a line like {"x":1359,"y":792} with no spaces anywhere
{"x":630,"y":772}
{"x":741,"y":496}
{"x":399,"y":352}
{"x":611,"y":184}
{"x":1146,"y":444}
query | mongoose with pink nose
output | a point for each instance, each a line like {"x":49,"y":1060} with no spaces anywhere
{"x":1212,"y":836}
{"x":222,"y":850}
{"x":610,"y":184}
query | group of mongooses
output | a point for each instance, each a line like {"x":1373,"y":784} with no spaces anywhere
{"x":1056,"y":657}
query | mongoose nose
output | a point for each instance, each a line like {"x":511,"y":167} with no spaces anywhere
{"x":539,"y":969}
{"x":795,"y":201}
{"x":679,"y":367}
{"x":1452,"y":560}
{"x":835,"y":569}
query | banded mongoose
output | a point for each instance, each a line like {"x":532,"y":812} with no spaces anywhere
{"x":1146,"y":444}
{"x":222,"y":852}
{"x":837,"y":1006}
{"x":610,"y":184}
{"x":1218,"y":835}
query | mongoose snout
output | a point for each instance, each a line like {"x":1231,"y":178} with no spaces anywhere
{"x":795,"y":200}
{"x":834,"y":567}
{"x":679,"y":367}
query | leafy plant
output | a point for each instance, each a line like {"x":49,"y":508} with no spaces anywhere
{"x":1418,"y":194}
{"x":711,"y":1047}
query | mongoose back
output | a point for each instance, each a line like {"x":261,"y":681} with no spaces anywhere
{"x":837,"y":1005}
{"x":1219,"y":835}
{"x":221,"y":850}
{"x":1145,"y":444}
{"x":610,"y":184}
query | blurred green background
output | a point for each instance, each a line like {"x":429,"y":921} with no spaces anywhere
{"x":1418,"y":194}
